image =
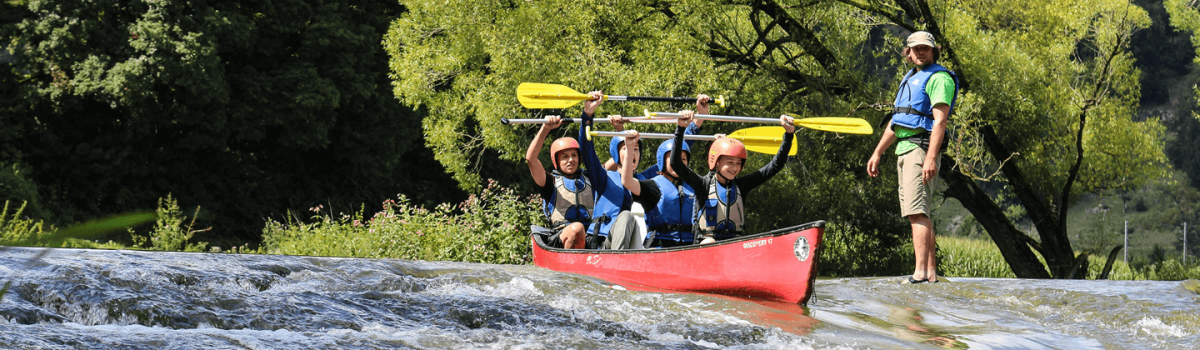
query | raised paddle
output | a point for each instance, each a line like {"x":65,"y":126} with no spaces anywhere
{"x":760,"y":139}
{"x":554,"y":96}
{"x":832,"y":124}
{"x":641,"y":120}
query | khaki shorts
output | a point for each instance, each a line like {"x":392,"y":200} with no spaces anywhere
{"x":915,"y":196}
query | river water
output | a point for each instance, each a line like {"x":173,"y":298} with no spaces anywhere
{"x":97,"y":299}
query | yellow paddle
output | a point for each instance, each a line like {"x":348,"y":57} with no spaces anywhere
{"x":760,"y":139}
{"x":832,"y":124}
{"x":554,"y":96}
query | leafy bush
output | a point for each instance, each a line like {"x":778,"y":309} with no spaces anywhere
{"x":169,"y":233}
{"x":490,"y":227}
{"x":14,"y":230}
{"x":847,"y":252}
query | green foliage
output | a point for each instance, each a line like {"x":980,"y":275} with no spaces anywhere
{"x":15,"y":230}
{"x":970,"y":258}
{"x":246,"y":108}
{"x":491,"y":227}
{"x":1035,"y":69}
{"x":170,"y":233}
{"x":463,"y":61}
{"x":847,"y":252}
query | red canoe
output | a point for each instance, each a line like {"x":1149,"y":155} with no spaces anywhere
{"x":779,"y":265}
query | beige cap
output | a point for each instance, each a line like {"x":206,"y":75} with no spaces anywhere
{"x":921,"y":38}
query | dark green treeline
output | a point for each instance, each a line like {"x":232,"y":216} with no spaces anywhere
{"x":245,"y":108}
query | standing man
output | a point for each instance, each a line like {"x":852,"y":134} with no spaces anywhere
{"x":919,"y":116}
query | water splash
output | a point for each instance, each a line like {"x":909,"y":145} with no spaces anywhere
{"x":150,"y":300}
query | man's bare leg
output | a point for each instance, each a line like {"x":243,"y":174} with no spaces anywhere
{"x":923,"y":246}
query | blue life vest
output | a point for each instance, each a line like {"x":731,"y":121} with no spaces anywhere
{"x":574,"y":200}
{"x":913,"y":108}
{"x":611,"y":202}
{"x":723,"y":215}
{"x":669,"y":217}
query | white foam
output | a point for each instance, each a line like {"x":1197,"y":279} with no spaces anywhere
{"x":1156,"y":327}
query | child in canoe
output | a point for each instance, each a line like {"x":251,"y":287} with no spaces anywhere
{"x":667,"y":198}
{"x":719,"y":211}
{"x":654,"y":169}
{"x":612,"y":224}
{"x":568,"y":198}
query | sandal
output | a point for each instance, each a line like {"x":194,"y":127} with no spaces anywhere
{"x":911,"y":280}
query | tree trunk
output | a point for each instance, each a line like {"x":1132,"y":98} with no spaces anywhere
{"x":1054,"y":246}
{"x":1012,"y":242}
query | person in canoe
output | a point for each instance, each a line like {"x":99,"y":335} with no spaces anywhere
{"x":919,"y":118}
{"x":669,"y":200}
{"x":692,"y":129}
{"x":719,"y":211}
{"x":568,"y":198}
{"x":612,"y":224}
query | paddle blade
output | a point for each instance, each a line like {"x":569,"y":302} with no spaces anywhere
{"x":548,"y":96}
{"x":762,"y":139}
{"x":837,"y":124}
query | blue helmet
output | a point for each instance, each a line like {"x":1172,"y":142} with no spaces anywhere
{"x":614,"y":148}
{"x":665,"y":147}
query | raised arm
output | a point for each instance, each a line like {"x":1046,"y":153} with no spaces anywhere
{"x":627,"y":165}
{"x":685,"y":173}
{"x":758,"y":177}
{"x":536,"y":169}
{"x":587,"y":152}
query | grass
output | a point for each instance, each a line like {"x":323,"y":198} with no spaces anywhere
{"x":965,"y":257}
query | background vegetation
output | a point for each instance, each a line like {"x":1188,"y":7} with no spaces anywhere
{"x":257,"y":111}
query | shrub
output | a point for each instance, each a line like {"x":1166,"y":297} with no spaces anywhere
{"x":490,"y":227}
{"x":14,"y":230}
{"x":847,"y":252}
{"x":169,"y":233}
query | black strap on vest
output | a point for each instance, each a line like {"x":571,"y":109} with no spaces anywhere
{"x":671,"y":228}
{"x":909,"y":110}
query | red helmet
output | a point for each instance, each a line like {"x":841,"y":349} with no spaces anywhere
{"x":562,"y":144}
{"x":725,"y":146}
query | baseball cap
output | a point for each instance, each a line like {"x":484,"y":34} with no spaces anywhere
{"x":921,"y":38}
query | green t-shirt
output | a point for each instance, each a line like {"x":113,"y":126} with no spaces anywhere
{"x":941,"y":91}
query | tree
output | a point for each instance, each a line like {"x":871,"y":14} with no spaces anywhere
{"x":462,"y":63}
{"x":246,"y":108}
{"x":1048,"y":90}
{"x":1049,"y":95}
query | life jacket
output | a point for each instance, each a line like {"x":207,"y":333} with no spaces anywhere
{"x":669,"y":218}
{"x":574,"y":200}
{"x":913,"y":108}
{"x":611,"y":202}
{"x":723,"y":215}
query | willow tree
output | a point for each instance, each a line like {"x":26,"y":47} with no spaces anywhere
{"x":1048,"y":92}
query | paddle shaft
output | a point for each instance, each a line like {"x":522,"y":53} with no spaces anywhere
{"x":724,"y":118}
{"x":685,"y":137}
{"x":644,"y":120}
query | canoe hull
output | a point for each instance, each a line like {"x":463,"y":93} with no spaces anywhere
{"x":780,"y":265}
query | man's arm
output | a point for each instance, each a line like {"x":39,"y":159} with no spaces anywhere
{"x":885,"y":142}
{"x":941,"y":117}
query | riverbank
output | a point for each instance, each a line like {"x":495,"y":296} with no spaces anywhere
{"x":492,"y":227}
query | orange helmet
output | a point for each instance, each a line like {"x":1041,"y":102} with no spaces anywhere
{"x":562,"y":144}
{"x":725,"y":146}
